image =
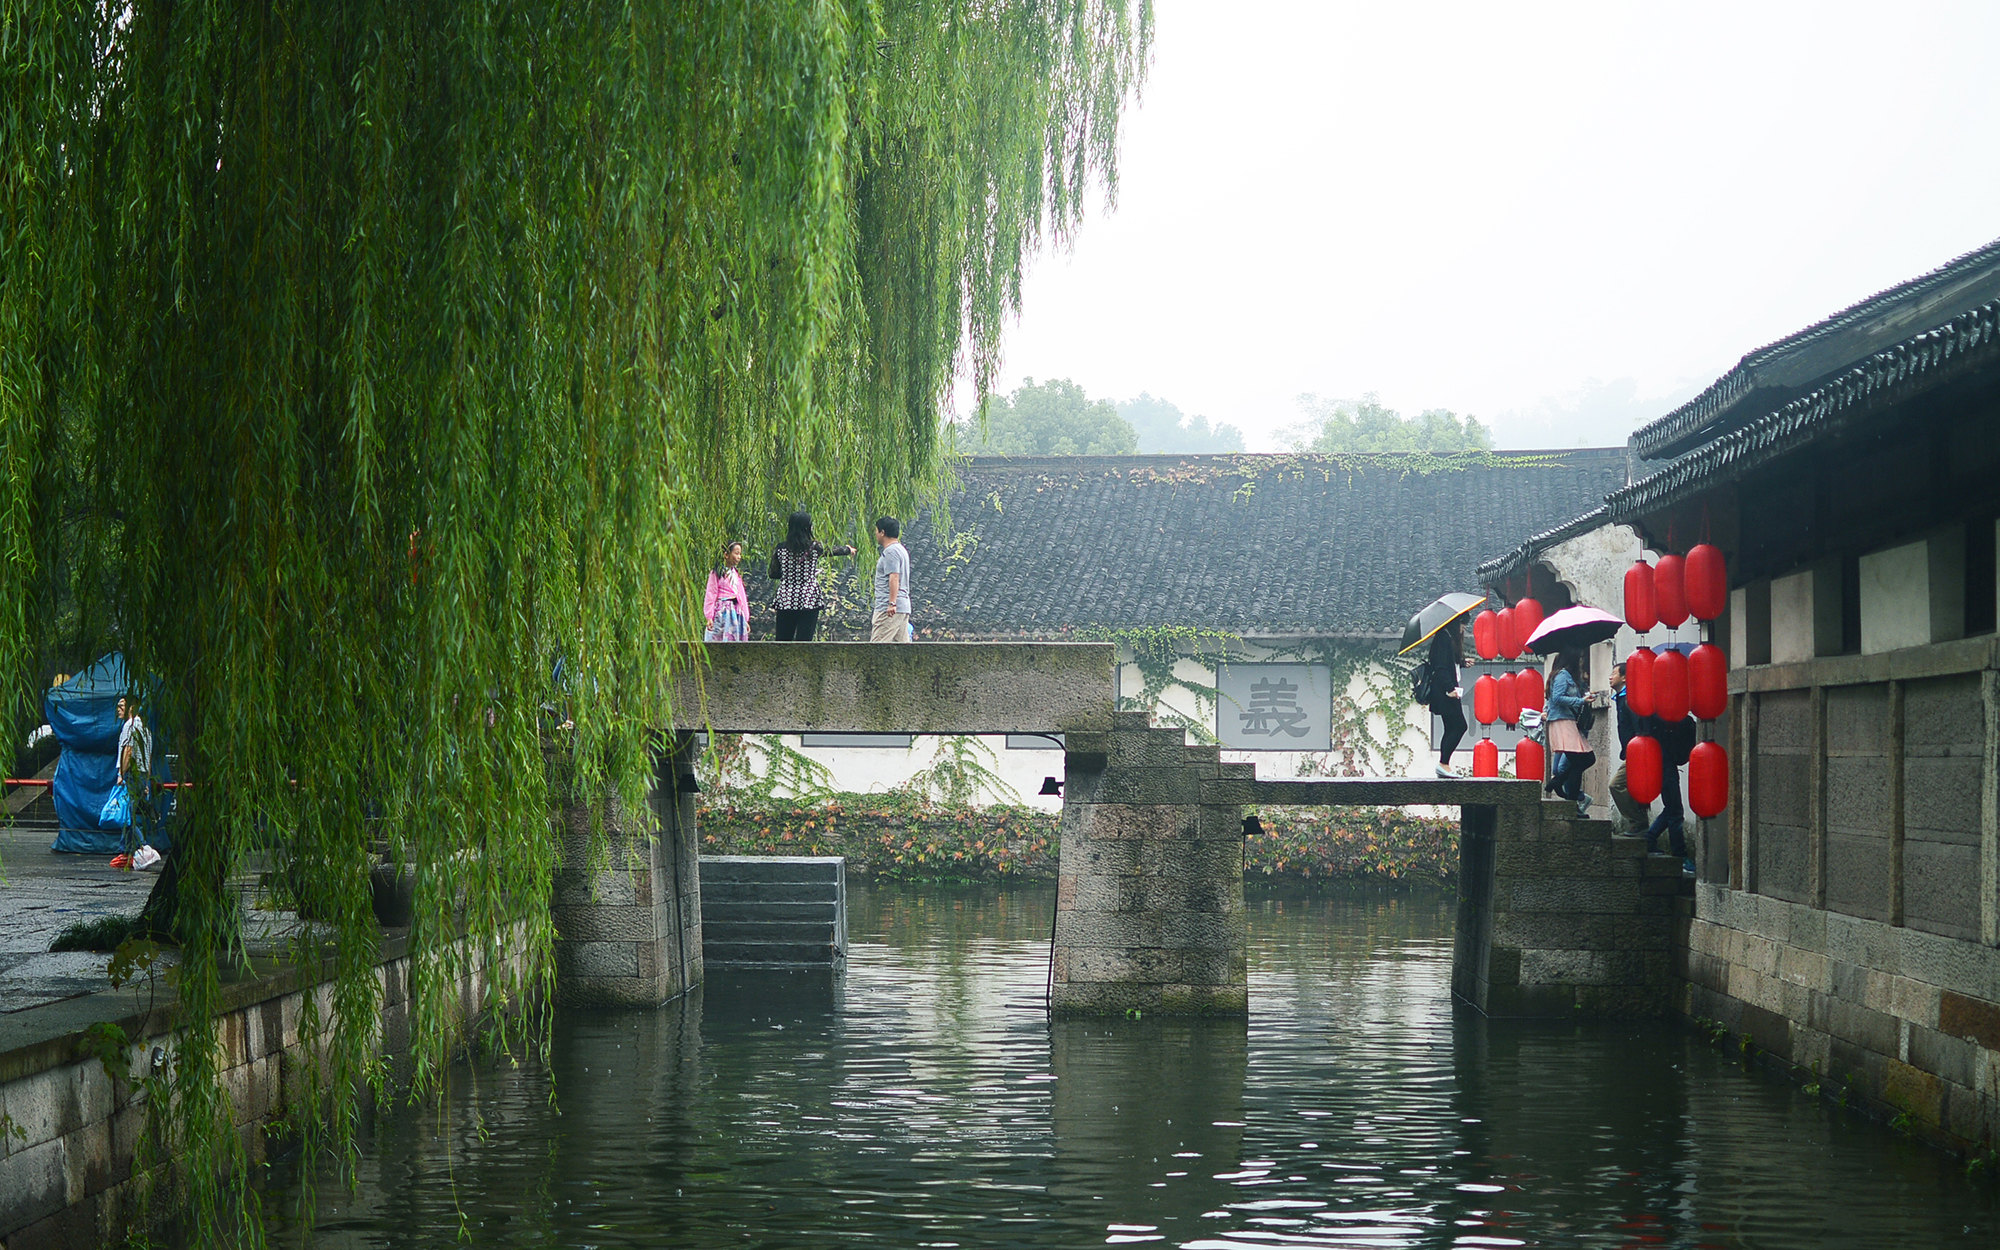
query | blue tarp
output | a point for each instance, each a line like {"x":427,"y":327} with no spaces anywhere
{"x":83,"y":712}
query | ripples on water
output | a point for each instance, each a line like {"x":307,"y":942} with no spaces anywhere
{"x":925,"y":1100}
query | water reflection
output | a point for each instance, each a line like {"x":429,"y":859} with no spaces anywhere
{"x":924,"y":1099}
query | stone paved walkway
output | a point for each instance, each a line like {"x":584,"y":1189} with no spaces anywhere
{"x":42,"y":893}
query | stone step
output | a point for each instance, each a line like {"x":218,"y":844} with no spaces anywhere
{"x":1131,"y":720}
{"x":757,"y":954}
{"x":727,"y":891}
{"x":769,"y":891}
{"x":772,"y":868}
{"x":754,"y":910}
{"x":726,"y":932}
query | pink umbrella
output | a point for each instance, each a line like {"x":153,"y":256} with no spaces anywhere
{"x":1573,"y":629}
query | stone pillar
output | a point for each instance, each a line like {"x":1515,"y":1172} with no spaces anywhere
{"x":1558,"y":918}
{"x":628,"y":919}
{"x":1149,"y":903}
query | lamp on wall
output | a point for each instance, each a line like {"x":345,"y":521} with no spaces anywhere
{"x":1051,"y":786}
{"x":1252,"y":827}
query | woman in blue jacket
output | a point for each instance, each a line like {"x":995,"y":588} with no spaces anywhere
{"x":1566,"y":700}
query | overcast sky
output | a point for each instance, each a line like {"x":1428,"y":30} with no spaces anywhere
{"x":1560,"y":218}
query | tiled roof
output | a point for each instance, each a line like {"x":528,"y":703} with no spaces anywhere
{"x":1331,"y":546}
{"x":1779,"y":373}
{"x":1967,"y":342}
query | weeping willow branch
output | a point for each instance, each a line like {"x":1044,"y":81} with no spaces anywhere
{"x":360,"y":362}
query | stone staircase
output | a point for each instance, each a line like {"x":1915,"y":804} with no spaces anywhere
{"x":1580,"y":919}
{"x":761,"y":911}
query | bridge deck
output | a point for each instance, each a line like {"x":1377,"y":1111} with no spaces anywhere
{"x":911,"y":688}
{"x":1371,"y":792}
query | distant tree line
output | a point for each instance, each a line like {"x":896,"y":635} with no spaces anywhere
{"x":1349,"y":425}
{"x":1057,"y":418}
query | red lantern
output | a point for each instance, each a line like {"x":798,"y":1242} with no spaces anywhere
{"x":1529,"y":760}
{"x":1670,"y":687}
{"x":1708,"y":779}
{"x":1707,"y":582}
{"x":1528,"y":684}
{"x":1486,"y":635}
{"x":1485,"y":758}
{"x":1708,"y":682}
{"x":1510,"y":698}
{"x":1642,"y":610}
{"x":1642,"y":768}
{"x":1510,"y":633}
{"x":1530,"y":615}
{"x":1486,"y":700}
{"x":1670,"y":590}
{"x":1639,"y":681}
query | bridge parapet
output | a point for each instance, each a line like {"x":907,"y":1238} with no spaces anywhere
{"x":913,"y":688}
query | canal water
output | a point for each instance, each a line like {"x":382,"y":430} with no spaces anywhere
{"x":925,"y":1100}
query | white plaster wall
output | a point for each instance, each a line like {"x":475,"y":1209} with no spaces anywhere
{"x":1593,"y":567}
{"x":1896,"y":598}
{"x":1792,"y":617}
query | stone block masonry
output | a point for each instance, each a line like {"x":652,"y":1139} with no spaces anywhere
{"x":1559,"y":918}
{"x":626,"y":900}
{"x":1907,"y":1023}
{"x":70,"y":1133}
{"x":1149,"y":896}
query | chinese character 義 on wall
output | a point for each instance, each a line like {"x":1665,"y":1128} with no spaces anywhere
{"x":1274,"y":707}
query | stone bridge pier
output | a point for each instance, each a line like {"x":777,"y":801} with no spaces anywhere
{"x":1149,"y":901}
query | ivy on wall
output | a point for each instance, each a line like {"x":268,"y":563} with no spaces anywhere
{"x":1369,"y":682}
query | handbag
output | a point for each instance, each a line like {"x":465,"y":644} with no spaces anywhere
{"x":117,"y":809}
{"x":1586,"y":716}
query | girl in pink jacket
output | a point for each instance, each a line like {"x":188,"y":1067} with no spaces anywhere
{"x":727,"y":606}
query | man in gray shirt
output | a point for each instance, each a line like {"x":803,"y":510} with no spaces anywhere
{"x":892,"y":585}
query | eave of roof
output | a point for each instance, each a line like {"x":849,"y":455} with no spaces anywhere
{"x":1520,"y":557}
{"x":1770,"y":376}
{"x":1966,"y":342}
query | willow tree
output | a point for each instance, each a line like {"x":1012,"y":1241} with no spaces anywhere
{"x":361,"y":361}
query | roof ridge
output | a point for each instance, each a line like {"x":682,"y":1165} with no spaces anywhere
{"x":1692,"y":416}
{"x":1141,"y":459}
{"x":1956,"y":340}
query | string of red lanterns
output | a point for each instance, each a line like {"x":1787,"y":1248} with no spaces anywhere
{"x":1669,"y":684}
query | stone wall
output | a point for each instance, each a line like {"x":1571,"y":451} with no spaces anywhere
{"x":626,"y":902}
{"x":1558,"y":918}
{"x":1854,"y":933}
{"x":69,"y":1133}
{"x":1901,"y":1021}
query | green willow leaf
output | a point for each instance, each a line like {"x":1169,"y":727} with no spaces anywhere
{"x":383,"y":377}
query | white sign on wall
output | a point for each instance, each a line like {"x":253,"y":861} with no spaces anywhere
{"x":1274,"y":707}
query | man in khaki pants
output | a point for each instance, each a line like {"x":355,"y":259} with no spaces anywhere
{"x":892,"y":584}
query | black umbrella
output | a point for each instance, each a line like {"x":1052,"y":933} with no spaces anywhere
{"x":1435,"y":617}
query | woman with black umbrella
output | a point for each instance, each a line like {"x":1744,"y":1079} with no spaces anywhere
{"x":1447,"y":653}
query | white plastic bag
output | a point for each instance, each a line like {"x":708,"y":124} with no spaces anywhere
{"x":146,"y":857}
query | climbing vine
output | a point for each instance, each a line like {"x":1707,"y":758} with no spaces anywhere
{"x":1156,"y":651}
{"x":363,"y":367}
{"x":1371,"y":704}
{"x":1368,"y":681}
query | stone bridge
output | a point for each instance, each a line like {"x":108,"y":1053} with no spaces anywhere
{"x":1553,"y":914}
